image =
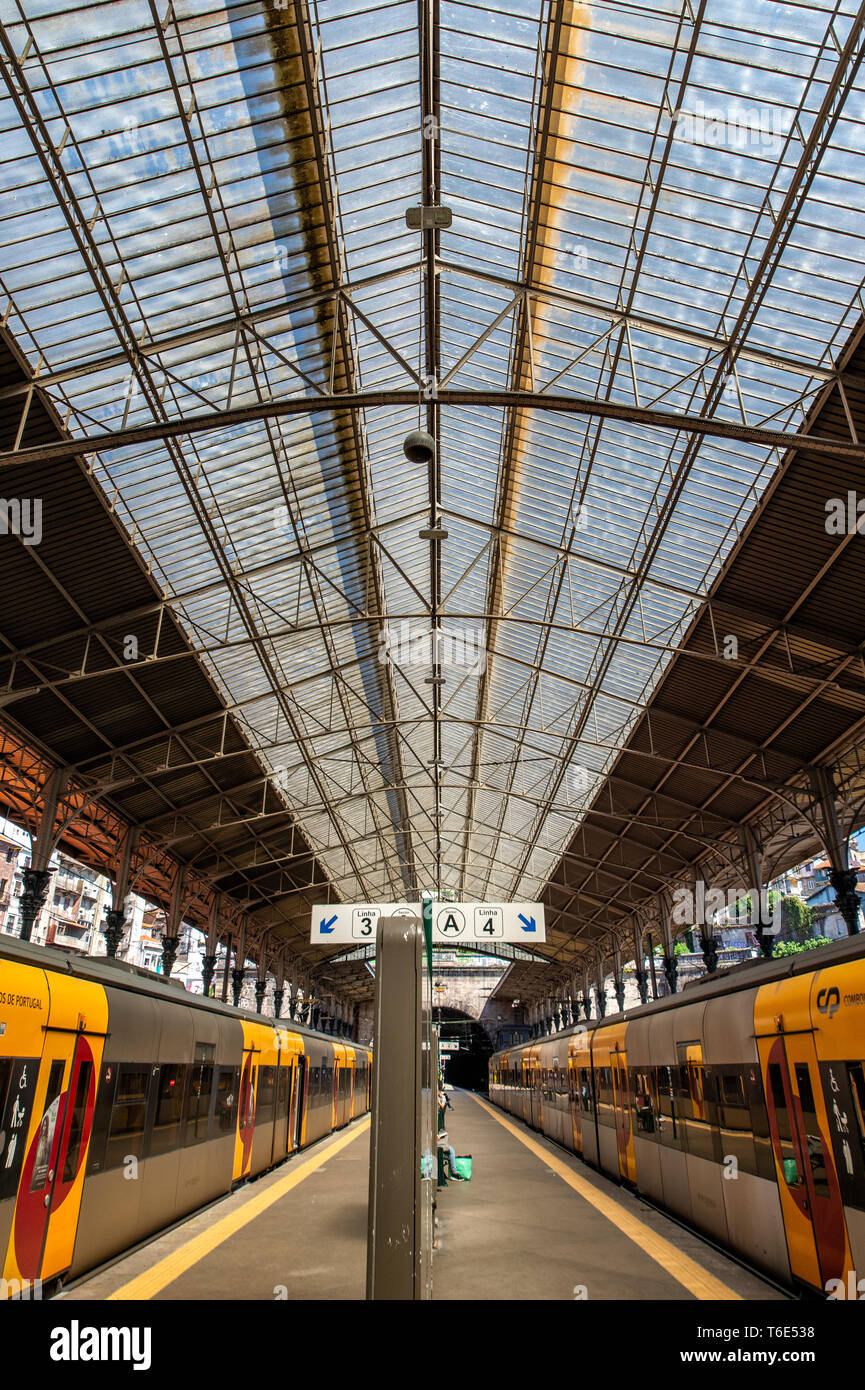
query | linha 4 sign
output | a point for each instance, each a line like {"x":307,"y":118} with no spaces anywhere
{"x":462,"y":922}
{"x":487,"y":922}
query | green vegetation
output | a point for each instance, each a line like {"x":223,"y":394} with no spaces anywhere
{"x":797,"y":918}
{"x":793,"y":948}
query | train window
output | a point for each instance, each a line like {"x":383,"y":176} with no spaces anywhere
{"x":816,"y":1156}
{"x":169,"y":1109}
{"x":856,"y":1077}
{"x":76,"y":1128}
{"x":126,"y":1130}
{"x":789,"y":1164}
{"x":5,"y":1073}
{"x":755,"y":1099}
{"x":282,"y":1092}
{"x":585,"y":1087}
{"x":204,"y":1052}
{"x":226,"y":1098}
{"x":644,"y":1106}
{"x":197,"y":1106}
{"x":695,"y":1115}
{"x":667,"y":1087}
{"x":47,"y":1127}
{"x":735,"y":1125}
{"x":247,"y":1098}
{"x":732,"y":1090}
{"x":604,"y":1088}
{"x":266,"y":1098}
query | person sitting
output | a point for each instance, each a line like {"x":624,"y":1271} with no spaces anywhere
{"x":451,"y":1157}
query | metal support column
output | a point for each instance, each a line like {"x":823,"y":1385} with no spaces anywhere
{"x":208,"y":964}
{"x":37,"y":876}
{"x":402,"y":1172}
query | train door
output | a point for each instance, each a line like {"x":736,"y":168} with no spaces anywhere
{"x":573,"y":1123}
{"x":807,"y":1179}
{"x":46,"y":1214}
{"x":298,"y":1093}
{"x":622,"y":1114}
{"x":280,"y":1118}
{"x":246,"y":1112}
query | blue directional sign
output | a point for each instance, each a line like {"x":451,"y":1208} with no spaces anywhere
{"x":355,"y":922}
{"x":479,"y":922}
{"x":451,"y":922}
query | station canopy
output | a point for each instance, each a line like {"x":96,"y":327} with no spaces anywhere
{"x":651,"y":269}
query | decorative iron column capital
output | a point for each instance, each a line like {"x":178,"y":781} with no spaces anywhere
{"x":671,"y":971}
{"x":237,"y":977}
{"x":709,"y":945}
{"x":208,"y":970}
{"x":36,"y":883}
{"x":846,"y":897}
{"x":115,"y":924}
{"x":170,"y":945}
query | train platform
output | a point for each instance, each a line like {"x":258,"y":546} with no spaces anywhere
{"x":297,"y":1233}
{"x":533,"y":1223}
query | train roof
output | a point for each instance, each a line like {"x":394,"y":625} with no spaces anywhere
{"x":749,"y":974}
{"x":118,"y":974}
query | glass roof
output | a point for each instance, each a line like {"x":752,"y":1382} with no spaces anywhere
{"x":652,"y":206}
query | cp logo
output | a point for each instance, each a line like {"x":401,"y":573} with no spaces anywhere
{"x":828,"y":1001}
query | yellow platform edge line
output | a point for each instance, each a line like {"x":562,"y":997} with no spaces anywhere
{"x":683,"y":1269}
{"x":171,"y":1267}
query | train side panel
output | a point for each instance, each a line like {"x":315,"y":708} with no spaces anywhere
{"x":24,"y":1009}
{"x":755,"y":1225}
{"x":837,"y":1007}
{"x":51,"y":1180}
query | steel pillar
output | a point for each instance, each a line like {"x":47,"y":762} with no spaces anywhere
{"x":709,"y":945}
{"x":170,"y":946}
{"x":208,"y":970}
{"x":115,"y":924}
{"x":402,"y":1156}
{"x":171,"y":939}
{"x":32,"y":900}
{"x":846,"y":897}
{"x":237,"y":977}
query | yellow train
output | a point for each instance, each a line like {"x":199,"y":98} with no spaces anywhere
{"x":126,"y":1103}
{"x":738,"y":1104}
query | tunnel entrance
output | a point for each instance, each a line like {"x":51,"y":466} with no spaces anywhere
{"x":468,"y":1066}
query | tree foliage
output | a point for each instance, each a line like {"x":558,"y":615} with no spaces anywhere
{"x":793,"y":948}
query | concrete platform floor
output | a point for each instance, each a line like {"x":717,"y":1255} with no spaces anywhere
{"x":297,"y":1233}
{"x":533,"y":1223}
{"x":519,"y":1231}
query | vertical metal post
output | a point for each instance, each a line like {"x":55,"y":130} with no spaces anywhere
{"x":402,"y":1177}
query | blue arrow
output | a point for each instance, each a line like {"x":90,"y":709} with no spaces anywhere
{"x":327,"y":927}
{"x":529,"y":921}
